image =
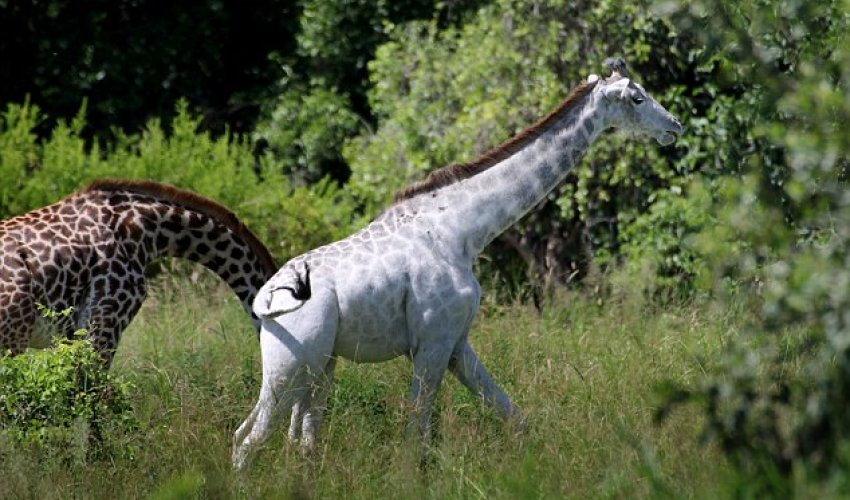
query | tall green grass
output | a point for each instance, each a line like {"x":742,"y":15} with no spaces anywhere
{"x":582,"y":371}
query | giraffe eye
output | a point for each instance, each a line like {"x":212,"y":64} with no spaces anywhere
{"x":637,"y":99}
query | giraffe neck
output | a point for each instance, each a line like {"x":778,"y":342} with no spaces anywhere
{"x":152,"y":228}
{"x":472,"y":212}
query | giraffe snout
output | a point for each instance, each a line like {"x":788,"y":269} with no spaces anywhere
{"x":678,"y":128}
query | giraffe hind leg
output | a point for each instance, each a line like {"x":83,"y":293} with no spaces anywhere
{"x":298,"y":410}
{"x":294,"y":348}
{"x":317,"y":404}
{"x":246,"y":426}
{"x":270,"y":408}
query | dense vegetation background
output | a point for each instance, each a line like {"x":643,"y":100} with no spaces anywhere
{"x":306,"y":116}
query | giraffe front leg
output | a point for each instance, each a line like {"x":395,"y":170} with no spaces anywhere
{"x":469,"y":370}
{"x":429,"y":366}
{"x":105,"y":326}
{"x":110,"y":309}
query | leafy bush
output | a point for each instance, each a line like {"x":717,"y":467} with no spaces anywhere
{"x":302,"y":218}
{"x":306,"y":131}
{"x":659,"y":245}
{"x":63,"y":397}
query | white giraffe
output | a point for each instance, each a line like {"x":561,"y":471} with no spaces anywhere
{"x":404,"y":284}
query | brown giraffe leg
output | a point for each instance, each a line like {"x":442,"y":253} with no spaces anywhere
{"x":105,"y":320}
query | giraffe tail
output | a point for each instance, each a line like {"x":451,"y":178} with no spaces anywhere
{"x":286,"y":292}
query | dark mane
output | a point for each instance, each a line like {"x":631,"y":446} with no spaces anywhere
{"x":192,"y":201}
{"x":456,"y":172}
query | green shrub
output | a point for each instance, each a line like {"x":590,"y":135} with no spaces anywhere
{"x":306,"y":131}
{"x":62,"y":397}
{"x":301,"y":218}
{"x":659,"y":247}
{"x":19,"y":154}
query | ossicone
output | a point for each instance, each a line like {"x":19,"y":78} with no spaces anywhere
{"x":618,"y":68}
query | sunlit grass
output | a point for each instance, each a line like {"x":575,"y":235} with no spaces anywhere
{"x":584,"y":374}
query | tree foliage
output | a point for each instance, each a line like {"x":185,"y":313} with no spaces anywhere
{"x":132,"y":60}
{"x":781,"y":233}
{"x":323,"y":93}
{"x":306,"y":131}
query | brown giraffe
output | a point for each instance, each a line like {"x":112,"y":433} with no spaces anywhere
{"x":89,"y":252}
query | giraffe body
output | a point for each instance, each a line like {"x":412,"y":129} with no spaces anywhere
{"x":89,"y":252}
{"x":404,"y":284}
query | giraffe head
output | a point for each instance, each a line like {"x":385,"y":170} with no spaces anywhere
{"x":627,"y":106}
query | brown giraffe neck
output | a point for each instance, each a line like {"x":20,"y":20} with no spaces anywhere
{"x":165,"y":221}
